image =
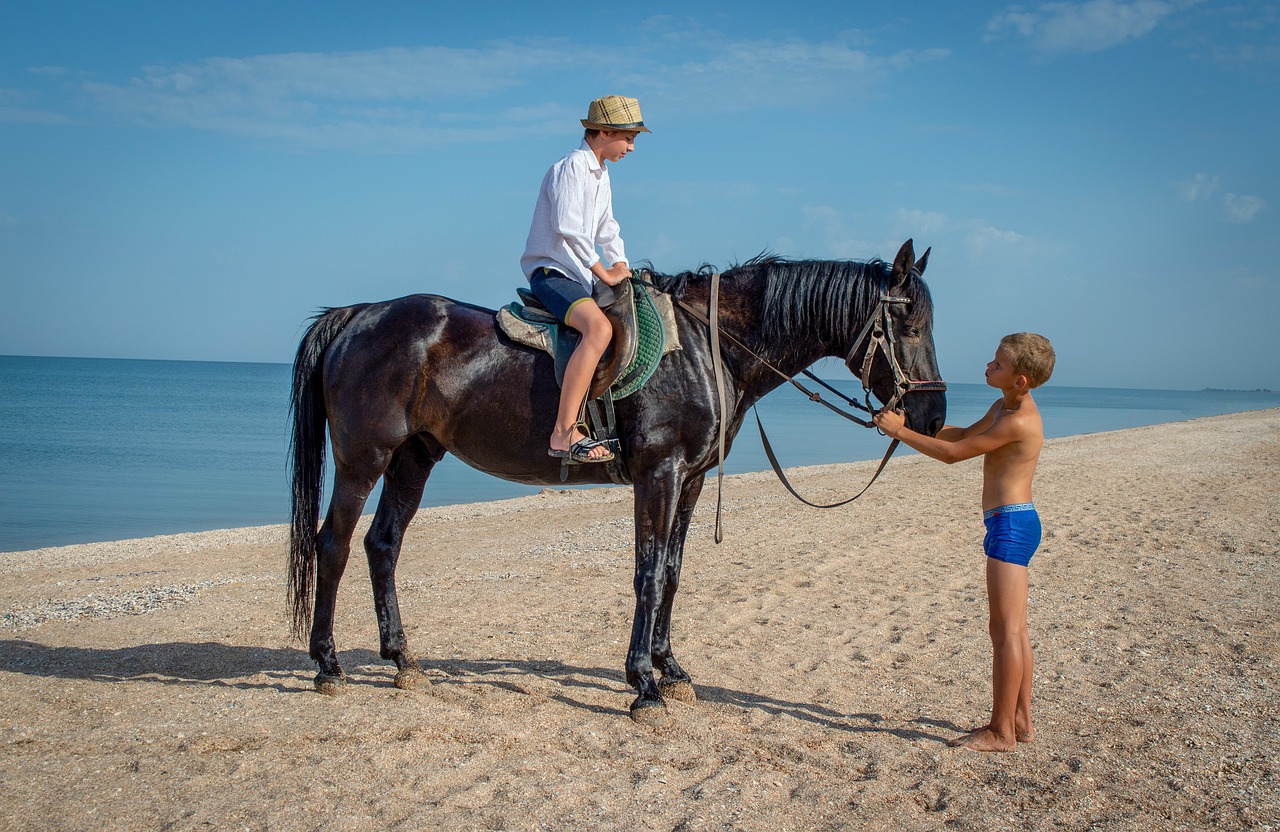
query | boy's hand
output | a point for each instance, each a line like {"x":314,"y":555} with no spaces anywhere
{"x":890,"y":421}
{"x":617,"y":273}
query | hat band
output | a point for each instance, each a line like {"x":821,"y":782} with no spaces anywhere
{"x":635,"y":125}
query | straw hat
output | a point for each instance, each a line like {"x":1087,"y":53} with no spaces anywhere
{"x":615,"y":112}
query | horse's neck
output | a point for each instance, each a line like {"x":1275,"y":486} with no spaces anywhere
{"x":740,"y":316}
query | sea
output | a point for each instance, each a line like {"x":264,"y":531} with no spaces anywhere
{"x":96,"y":450}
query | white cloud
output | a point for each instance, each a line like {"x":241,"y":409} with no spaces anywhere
{"x":1200,"y":186}
{"x":977,"y":237}
{"x":1090,"y":26}
{"x":922,"y":222}
{"x":838,"y":239}
{"x":408,"y":98}
{"x":1239,"y":208}
{"x":425,"y":73}
{"x":980,"y":241}
{"x":389,"y":98}
{"x":734,"y":75}
{"x":1242,"y":208}
{"x":23,"y":107}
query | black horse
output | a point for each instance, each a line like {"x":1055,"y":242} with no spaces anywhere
{"x":399,"y":384}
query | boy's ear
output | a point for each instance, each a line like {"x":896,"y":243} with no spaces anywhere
{"x":902,"y":264}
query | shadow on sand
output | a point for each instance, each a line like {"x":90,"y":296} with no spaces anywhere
{"x":289,"y":670}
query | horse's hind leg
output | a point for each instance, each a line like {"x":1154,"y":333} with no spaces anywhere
{"x":674,"y":682}
{"x":333,"y":546}
{"x":401,"y":493}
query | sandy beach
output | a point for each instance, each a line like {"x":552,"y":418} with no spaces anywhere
{"x":152,"y":684}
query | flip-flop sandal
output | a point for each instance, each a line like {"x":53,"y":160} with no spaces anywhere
{"x":581,"y":451}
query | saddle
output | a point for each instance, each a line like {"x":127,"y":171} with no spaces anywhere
{"x":644,"y":330}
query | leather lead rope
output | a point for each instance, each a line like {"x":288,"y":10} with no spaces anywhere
{"x":712,"y":320}
{"x":777,"y":469}
{"x":809,"y":394}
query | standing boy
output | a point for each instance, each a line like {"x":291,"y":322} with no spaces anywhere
{"x":1009,"y":438}
{"x":574,"y":216}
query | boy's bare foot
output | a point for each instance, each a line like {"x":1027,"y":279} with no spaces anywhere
{"x":982,"y":739}
{"x":1027,"y":735}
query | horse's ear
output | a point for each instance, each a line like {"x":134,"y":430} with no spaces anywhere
{"x":923,"y":261}
{"x":903,"y":263}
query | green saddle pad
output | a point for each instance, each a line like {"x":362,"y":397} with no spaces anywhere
{"x":655,"y":336}
{"x":651,"y":344}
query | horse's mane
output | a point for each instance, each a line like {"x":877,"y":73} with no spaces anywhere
{"x":824,"y":300}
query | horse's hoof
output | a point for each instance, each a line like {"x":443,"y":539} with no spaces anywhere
{"x":650,"y":715}
{"x":678,"y":691}
{"x":412,"y":677}
{"x":330,"y":685}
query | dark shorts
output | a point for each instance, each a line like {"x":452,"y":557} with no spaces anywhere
{"x":557,"y":292}
{"x":1013,"y":533}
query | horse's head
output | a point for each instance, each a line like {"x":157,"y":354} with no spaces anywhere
{"x":894,"y":355}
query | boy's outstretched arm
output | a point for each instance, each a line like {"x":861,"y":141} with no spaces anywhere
{"x":952,"y":444}
{"x":954,"y":433}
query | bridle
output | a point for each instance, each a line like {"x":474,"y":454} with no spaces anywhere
{"x":876,"y":333}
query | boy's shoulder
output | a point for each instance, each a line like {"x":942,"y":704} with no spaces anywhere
{"x":580,"y":159}
{"x":1023,"y":419}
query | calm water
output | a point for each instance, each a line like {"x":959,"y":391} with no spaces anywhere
{"x":97,"y":449}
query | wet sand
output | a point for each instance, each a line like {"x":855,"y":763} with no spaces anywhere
{"x":152,"y":684}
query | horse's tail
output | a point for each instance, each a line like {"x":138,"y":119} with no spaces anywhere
{"x":307,"y":459}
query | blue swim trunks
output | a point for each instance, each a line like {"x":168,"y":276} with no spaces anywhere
{"x":557,"y":292}
{"x":1013,"y":533}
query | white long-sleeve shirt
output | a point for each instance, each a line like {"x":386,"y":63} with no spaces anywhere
{"x":574,"y":216}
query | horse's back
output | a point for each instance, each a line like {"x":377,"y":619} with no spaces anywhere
{"x":426,"y":364}
{"x":397,"y":335}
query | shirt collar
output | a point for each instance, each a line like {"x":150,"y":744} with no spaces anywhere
{"x":593,"y":164}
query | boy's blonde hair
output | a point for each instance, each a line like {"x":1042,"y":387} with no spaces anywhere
{"x":1032,"y":356}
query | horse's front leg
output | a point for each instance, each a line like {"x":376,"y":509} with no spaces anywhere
{"x":674,"y":682}
{"x":654,"y":515}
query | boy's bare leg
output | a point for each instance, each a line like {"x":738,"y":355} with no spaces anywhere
{"x":1011,"y":659}
{"x":1023,"y":728}
{"x":596,"y":332}
{"x":1022,"y":719}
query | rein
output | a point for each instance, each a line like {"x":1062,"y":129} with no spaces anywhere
{"x":878,"y":332}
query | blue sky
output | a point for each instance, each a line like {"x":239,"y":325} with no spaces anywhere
{"x":193,"y":181}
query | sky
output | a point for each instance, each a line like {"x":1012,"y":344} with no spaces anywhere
{"x":193,"y":181}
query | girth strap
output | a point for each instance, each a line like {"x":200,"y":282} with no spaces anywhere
{"x":718,"y":370}
{"x":604,"y":425}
